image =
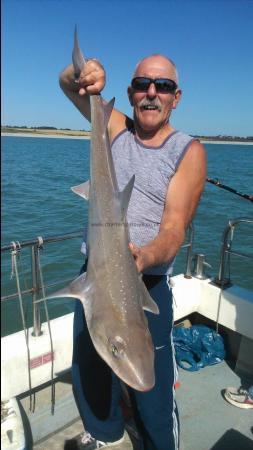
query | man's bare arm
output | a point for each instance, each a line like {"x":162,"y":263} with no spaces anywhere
{"x":182,"y":199}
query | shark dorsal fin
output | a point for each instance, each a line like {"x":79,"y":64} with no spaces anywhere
{"x":125,"y":196}
{"x":82,"y":189}
{"x":108,"y":107}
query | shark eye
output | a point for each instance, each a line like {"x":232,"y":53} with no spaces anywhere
{"x":114,"y":351}
{"x":117,"y":346}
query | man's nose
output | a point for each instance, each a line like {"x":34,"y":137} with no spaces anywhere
{"x":151,"y":92}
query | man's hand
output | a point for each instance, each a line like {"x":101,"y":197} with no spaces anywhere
{"x":143,"y":258}
{"x":136,"y":252}
{"x":90,"y":81}
{"x":92,"y":78}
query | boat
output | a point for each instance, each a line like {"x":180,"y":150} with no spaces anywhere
{"x":37,"y":405}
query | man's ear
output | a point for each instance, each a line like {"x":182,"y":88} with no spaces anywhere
{"x":130,"y":95}
{"x":177,"y":98}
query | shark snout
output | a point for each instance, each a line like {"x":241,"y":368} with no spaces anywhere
{"x":135,"y":366}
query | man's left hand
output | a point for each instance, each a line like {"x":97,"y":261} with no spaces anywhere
{"x":141,"y":257}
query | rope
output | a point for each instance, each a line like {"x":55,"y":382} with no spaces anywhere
{"x":40,"y":246}
{"x":14,"y":254}
{"x":228,"y":188}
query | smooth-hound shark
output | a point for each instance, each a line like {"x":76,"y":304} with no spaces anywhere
{"x":112,"y":292}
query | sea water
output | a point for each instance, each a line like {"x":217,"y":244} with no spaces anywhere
{"x":37,"y":174}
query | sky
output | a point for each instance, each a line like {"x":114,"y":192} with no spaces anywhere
{"x":210,"y":42}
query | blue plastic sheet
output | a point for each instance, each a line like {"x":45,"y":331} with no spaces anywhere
{"x":197,"y":347}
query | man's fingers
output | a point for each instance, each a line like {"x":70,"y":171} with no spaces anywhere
{"x":92,"y":78}
{"x":95,"y":88}
{"x":82,"y":91}
{"x":134,"y":249}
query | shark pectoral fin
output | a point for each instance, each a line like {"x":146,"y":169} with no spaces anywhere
{"x":65,"y":292}
{"x":148,"y":303}
{"x":82,"y":189}
{"x":108,"y":107}
{"x":151,"y":306}
{"x":76,"y":289}
{"x":125,"y":195}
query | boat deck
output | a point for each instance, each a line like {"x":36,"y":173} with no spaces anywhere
{"x":207,"y":421}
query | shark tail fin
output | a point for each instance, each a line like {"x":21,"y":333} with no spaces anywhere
{"x":77,"y":56}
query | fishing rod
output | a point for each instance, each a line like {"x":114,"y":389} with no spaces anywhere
{"x":228,"y":188}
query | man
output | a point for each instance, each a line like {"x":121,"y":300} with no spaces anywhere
{"x":169,"y":168}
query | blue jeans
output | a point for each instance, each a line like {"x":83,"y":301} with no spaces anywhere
{"x":250,"y":392}
{"x":97,"y":390}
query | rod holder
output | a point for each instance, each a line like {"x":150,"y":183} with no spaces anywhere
{"x":199,"y":266}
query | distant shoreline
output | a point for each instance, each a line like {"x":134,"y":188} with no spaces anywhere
{"x":44,"y":132}
{"x":205,"y":141}
{"x":53,"y":136}
{"x":78,"y":135}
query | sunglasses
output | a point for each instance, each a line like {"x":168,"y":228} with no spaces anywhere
{"x":162,"y":85}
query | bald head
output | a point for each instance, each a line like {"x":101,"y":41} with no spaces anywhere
{"x":157,"y":66}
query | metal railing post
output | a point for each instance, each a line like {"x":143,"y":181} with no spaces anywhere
{"x":36,"y":289}
{"x":188,"y":272}
{"x":221,"y":280}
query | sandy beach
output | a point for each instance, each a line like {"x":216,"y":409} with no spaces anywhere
{"x":69,"y":136}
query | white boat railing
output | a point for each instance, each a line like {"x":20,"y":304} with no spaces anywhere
{"x":36,"y":245}
{"x":36,"y":288}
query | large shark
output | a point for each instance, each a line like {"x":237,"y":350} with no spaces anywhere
{"x":112,"y":292}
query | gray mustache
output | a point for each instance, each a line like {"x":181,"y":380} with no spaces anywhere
{"x":146,"y":102}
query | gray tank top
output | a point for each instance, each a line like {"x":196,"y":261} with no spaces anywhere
{"x":153,"y":168}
